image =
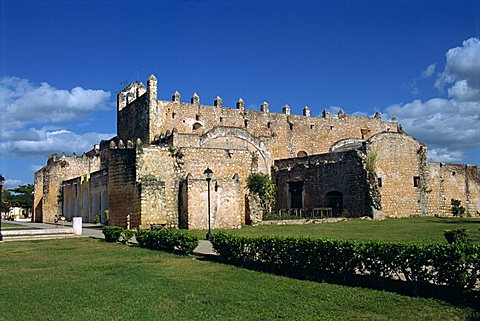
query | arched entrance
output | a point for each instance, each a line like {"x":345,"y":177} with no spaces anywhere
{"x":334,"y":200}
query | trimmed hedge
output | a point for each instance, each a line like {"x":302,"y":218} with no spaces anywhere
{"x":169,"y":240}
{"x":456,"y":265}
{"x":112,"y":233}
{"x":117,"y":234}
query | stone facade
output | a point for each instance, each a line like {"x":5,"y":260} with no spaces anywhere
{"x":400,"y":183}
{"x":48,"y":181}
{"x":151,"y":173}
{"x":338,"y":181}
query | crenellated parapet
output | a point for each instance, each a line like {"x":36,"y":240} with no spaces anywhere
{"x":129,"y":94}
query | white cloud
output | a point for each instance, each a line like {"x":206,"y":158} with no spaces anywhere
{"x":12,"y":183}
{"x":22,"y":102}
{"x":427,"y":73}
{"x":463,"y":65}
{"x":449,"y":126}
{"x":461,"y":91}
{"x":445,"y":155}
{"x":44,"y":142}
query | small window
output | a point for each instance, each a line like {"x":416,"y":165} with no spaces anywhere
{"x":331,"y":127}
{"x":380,"y":183}
{"x":221,"y":119}
{"x":197,"y":127}
{"x":311,"y":126}
{"x":416,"y":181}
{"x":269,"y":125}
{"x":173,"y":115}
{"x":197,"y":117}
{"x":291,"y":126}
{"x":245,"y":122}
{"x":453,"y":173}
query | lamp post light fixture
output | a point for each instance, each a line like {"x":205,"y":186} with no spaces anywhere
{"x":208,"y":176}
{"x":2,"y":179}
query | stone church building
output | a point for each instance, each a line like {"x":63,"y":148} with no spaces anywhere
{"x":151,"y":173}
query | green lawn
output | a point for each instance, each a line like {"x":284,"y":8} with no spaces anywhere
{"x":86,"y":279}
{"x":417,"y":229}
{"x":13,"y":226}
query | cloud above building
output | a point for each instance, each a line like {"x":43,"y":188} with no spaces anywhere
{"x":34,"y":118}
{"x":23,"y":103}
{"x":449,"y":125}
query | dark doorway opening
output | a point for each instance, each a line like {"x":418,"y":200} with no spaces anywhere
{"x":335,"y":201}
{"x":295,"y":190}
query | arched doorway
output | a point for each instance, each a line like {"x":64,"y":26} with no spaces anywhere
{"x":334,"y":200}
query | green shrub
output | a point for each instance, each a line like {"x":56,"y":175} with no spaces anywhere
{"x":112,"y":233}
{"x":126,"y":235}
{"x":107,"y":216}
{"x":262,"y":185}
{"x":457,"y":209}
{"x":457,"y":236}
{"x":97,"y":219}
{"x":455,"y":264}
{"x":169,"y":240}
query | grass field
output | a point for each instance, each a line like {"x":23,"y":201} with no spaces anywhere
{"x":417,"y":229}
{"x":86,"y":279}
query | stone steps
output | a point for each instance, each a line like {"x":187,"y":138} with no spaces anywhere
{"x":38,"y":237}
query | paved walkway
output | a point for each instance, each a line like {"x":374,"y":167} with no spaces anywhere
{"x":95,"y":231}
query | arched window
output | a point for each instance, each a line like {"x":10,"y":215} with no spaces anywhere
{"x":302,"y":153}
{"x":197,"y":127}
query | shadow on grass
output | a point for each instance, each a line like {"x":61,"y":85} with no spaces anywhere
{"x":455,"y":296}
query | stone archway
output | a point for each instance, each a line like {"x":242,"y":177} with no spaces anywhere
{"x":238,"y":133}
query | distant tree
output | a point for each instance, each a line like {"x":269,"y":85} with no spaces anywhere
{"x":22,"y":196}
{"x":6,"y":201}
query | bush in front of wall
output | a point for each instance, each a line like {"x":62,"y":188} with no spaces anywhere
{"x":169,"y":240}
{"x":112,"y":233}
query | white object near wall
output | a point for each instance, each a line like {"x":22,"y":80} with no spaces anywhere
{"x":77,"y":225}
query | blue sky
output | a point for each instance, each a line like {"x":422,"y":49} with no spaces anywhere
{"x":62,"y":63}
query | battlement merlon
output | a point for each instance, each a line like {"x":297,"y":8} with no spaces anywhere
{"x":142,"y":115}
{"x":136,"y":89}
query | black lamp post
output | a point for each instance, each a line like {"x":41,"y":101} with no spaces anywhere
{"x":2,"y":179}
{"x":208,"y":175}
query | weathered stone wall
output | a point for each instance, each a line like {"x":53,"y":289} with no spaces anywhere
{"x":284,"y":135}
{"x":400,"y":159}
{"x":459,"y":181}
{"x":38,"y":196}
{"x":168,"y":167}
{"x":123,"y":195}
{"x":158,"y":184}
{"x":86,"y":196}
{"x":48,"y":181}
{"x":225,"y":211}
{"x":141,"y":115}
{"x":133,"y":113}
{"x":342,"y":172}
